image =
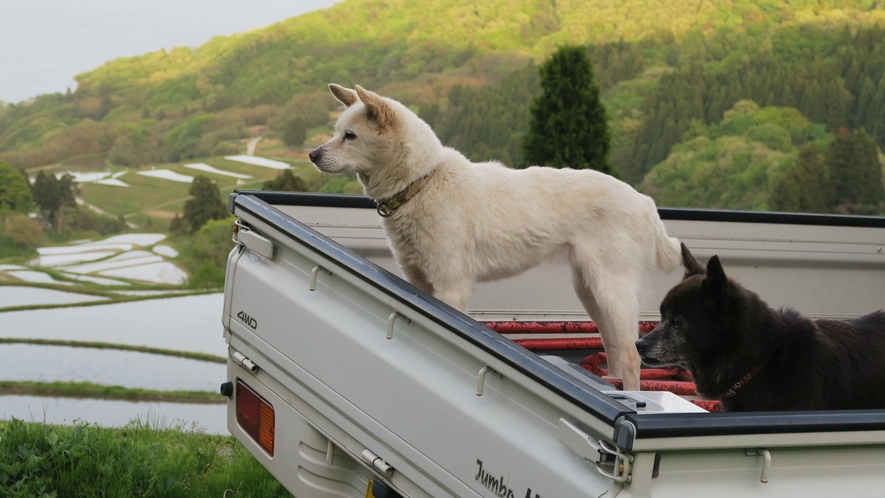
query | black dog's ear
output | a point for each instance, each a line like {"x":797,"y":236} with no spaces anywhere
{"x":692,"y":266}
{"x":716,"y":283}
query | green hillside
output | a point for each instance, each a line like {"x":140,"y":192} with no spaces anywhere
{"x":382,"y":43}
{"x":667,"y":68}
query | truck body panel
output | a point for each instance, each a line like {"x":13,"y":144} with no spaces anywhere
{"x":355,"y":359}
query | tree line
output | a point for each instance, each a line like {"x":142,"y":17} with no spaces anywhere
{"x":841,"y":85}
{"x":54,"y":199}
{"x":845,"y":178}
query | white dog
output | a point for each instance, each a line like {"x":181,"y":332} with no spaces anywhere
{"x":452,"y":223}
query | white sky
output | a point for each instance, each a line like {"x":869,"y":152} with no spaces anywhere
{"x":44,"y":43}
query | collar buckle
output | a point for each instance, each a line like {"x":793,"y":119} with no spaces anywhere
{"x":383,"y":209}
{"x":387,"y":207}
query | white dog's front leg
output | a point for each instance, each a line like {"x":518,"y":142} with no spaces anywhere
{"x":417,"y":278}
{"x":455,"y":295}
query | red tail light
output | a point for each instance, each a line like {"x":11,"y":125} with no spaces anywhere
{"x":256,"y":416}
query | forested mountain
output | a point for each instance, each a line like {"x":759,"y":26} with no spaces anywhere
{"x":835,"y":78}
{"x":669,"y":71}
{"x":674,"y":121}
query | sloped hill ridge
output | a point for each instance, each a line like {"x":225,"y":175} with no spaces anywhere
{"x":382,"y":42}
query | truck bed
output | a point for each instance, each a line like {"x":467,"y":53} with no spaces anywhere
{"x":352,"y":355}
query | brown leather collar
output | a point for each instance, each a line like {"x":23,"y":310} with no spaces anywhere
{"x":387,"y":207}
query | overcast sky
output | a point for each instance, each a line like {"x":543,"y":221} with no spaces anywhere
{"x":44,"y":43}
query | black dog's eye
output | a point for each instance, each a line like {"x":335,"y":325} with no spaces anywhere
{"x":349,"y":135}
{"x":676,"y":323}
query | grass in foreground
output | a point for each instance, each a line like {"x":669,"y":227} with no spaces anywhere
{"x":38,"y":460}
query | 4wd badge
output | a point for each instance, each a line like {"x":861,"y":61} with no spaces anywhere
{"x":248,"y":320}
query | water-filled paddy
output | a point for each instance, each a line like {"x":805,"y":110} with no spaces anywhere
{"x":132,"y":369}
{"x":14,"y":295}
{"x":189,"y":323}
{"x":158,"y":273}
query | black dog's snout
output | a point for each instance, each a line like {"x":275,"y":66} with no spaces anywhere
{"x":314,"y":154}
{"x":642,"y":346}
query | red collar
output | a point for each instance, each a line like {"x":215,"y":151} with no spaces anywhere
{"x":741,"y":383}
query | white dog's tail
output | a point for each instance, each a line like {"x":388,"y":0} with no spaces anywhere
{"x":667,"y":249}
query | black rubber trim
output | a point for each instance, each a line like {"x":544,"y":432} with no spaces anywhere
{"x":647,"y":425}
{"x":714,"y":215}
{"x":306,"y":199}
{"x":507,"y":351}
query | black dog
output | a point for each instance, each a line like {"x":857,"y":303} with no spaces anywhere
{"x":754,"y":358}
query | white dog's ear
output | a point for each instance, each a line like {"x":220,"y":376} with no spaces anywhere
{"x":344,"y":95}
{"x":376,"y":108}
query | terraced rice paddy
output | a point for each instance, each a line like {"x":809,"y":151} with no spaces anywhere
{"x":76,"y":347}
{"x":180,"y":326}
{"x":118,"y":260}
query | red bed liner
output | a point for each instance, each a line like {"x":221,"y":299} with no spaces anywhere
{"x":573,"y":336}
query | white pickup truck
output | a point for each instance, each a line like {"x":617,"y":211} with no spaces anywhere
{"x":346,"y":381}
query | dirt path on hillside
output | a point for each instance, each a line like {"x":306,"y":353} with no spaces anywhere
{"x":250,"y":149}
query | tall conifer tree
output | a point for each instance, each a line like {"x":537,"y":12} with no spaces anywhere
{"x":204,"y":204}
{"x":567,"y":127}
{"x":855,"y":171}
{"x":871,"y":192}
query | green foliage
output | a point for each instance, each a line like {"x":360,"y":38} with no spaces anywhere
{"x":772,"y":136}
{"x":790,"y":119}
{"x":206,"y":257}
{"x":313,"y":108}
{"x":835,"y":77}
{"x":489,"y":123}
{"x":53,"y":195}
{"x":39,"y":140}
{"x":429,"y":113}
{"x":404,"y":41}
{"x":21,"y":231}
{"x":133,"y":147}
{"x":9,"y":249}
{"x":15,"y":191}
{"x":568,"y":127}
{"x":617,"y":61}
{"x":345,"y":184}
{"x":803,"y":188}
{"x":225,"y":149}
{"x":202,"y":135}
{"x":855,"y":173}
{"x":38,"y":460}
{"x":180,"y":142}
{"x":204,"y":204}
{"x":104,"y":108}
{"x":748,"y":161}
{"x":85,"y":220}
{"x":728,"y":165}
{"x":295,"y":133}
{"x":286,"y":181}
